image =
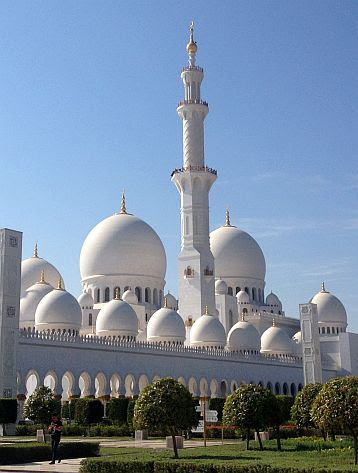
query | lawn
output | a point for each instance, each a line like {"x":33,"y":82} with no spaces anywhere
{"x":302,"y":454}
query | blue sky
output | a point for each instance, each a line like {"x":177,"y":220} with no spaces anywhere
{"x":88,"y":94}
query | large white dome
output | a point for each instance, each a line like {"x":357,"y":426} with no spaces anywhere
{"x":330,"y":309}
{"x":237,"y":254}
{"x":276,"y":341}
{"x":58,"y":310}
{"x":31,"y":269}
{"x":117,"y":319}
{"x":122,"y":245}
{"x":207,"y":332}
{"x":244,"y":336}
{"x":166,"y":325}
{"x":30,"y":300}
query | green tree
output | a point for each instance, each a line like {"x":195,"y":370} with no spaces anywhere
{"x":41,"y":406}
{"x":248,"y":408}
{"x":280,"y":413}
{"x":301,"y":409}
{"x":336,"y":408}
{"x":165,"y":405}
{"x":88,"y":411}
{"x":117,"y":410}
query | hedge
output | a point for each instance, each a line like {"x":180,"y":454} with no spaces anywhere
{"x":24,"y":453}
{"x":117,"y":409}
{"x":8,"y":410}
{"x":88,"y":411}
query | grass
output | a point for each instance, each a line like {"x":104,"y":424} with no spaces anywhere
{"x":297,"y":453}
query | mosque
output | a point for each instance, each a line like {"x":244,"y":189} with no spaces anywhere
{"x":123,"y":331}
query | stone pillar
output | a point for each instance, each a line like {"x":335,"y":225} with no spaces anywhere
{"x":312,"y":368}
{"x":10,"y":284}
{"x":105,"y":399}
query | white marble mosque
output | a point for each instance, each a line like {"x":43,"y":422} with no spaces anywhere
{"x":123,"y":331}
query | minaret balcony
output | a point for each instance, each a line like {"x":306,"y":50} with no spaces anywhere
{"x":192,"y":68}
{"x":191,"y":102}
{"x":195,"y":169}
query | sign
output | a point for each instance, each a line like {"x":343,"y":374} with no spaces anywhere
{"x":199,"y":428}
{"x":211,"y":418}
{"x":199,"y":408}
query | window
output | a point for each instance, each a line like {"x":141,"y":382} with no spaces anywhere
{"x":277,"y":388}
{"x":138,"y":293}
{"x":254,"y":294}
{"x":90,"y":320}
{"x":247,"y":290}
{"x":328,"y":330}
{"x":229,"y":291}
{"x":98,"y":295}
{"x":231,"y":319}
{"x":293,"y":389}
{"x":147,"y":294}
{"x":323,"y":330}
{"x":106,"y":294}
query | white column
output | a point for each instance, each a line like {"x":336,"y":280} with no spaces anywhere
{"x":312,"y":368}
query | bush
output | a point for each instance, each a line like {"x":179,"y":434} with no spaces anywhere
{"x":117,"y":409}
{"x":25,"y":453}
{"x":27,"y":429}
{"x":130,"y":411}
{"x":100,"y":466}
{"x":110,"y":431}
{"x":88,"y":411}
{"x":8,"y":411}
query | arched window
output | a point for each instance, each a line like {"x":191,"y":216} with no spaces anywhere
{"x":229,"y":291}
{"x":160,"y":297}
{"x":138,"y":293}
{"x":253,"y":294}
{"x":106,"y":294}
{"x":90,"y":320}
{"x":115,"y":291}
{"x":146,"y":317}
{"x":147,"y":294}
{"x":285,"y":389}
{"x":231,"y":319}
{"x":238,"y":289}
{"x":247,"y":290}
{"x":244,"y":311}
{"x":155,"y":296}
{"x":293,"y":389}
{"x":328,"y":330}
{"x":300,"y":387}
{"x":277,"y":388}
{"x":98,"y":295}
{"x":260,"y":300}
{"x":269,"y":386}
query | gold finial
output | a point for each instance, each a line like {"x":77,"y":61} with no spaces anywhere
{"x":206,"y":310}
{"x":42,"y":277}
{"x":227,"y":218}
{"x":191,"y":47}
{"x":123,"y":204}
{"x":116,"y":294}
{"x":36,"y":250}
{"x":273,"y":323}
{"x":59,"y":285}
{"x":323,"y":289}
{"x":165,"y":303}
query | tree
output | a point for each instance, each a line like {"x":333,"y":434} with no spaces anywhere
{"x":117,"y":410}
{"x":165,"y":405}
{"x":41,"y":406}
{"x":280,"y":413}
{"x":88,"y":411}
{"x":336,"y":408}
{"x":249,"y":407}
{"x":301,"y":409}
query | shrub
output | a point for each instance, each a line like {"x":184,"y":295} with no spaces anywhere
{"x":8,"y":411}
{"x":117,"y":409}
{"x":100,"y":466}
{"x":25,"y":453}
{"x":130,"y":411}
{"x":110,"y":431}
{"x":41,"y":405}
{"x":301,"y":409}
{"x":88,"y":411}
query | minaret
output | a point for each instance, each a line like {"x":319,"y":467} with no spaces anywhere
{"x":193,"y":181}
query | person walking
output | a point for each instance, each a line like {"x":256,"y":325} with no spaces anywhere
{"x":55,"y":429}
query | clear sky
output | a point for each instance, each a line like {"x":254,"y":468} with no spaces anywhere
{"x":88,"y":95}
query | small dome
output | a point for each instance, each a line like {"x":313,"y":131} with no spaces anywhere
{"x":31,"y":269}
{"x":172,"y":303}
{"x":297,"y":343}
{"x":85,"y":300}
{"x":297,"y":338}
{"x":130,"y":297}
{"x":166,"y":325}
{"x":273,"y":301}
{"x":243,"y":297}
{"x":58,"y":310}
{"x":208,"y":332}
{"x":117,"y":319}
{"x":330,"y":309}
{"x":276,"y":341}
{"x":237,"y":254}
{"x":220,"y":287}
{"x":30,"y":300}
{"x":244,"y":336}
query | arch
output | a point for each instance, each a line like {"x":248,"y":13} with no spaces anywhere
{"x":98,"y":295}
{"x":260,"y":296}
{"x":155,"y":296}
{"x":32,"y":381}
{"x":138,"y":293}
{"x":285,"y":389}
{"x":193,"y":387}
{"x":106,"y":294}
{"x":156,"y":378}
{"x":230,"y":291}
{"x":328,"y":331}
{"x":214,"y":388}
{"x":84,"y":384}
{"x":260,"y":383}
{"x":253,"y":290}
{"x":160,"y":298}
{"x":100,"y":384}
{"x":147,"y":294}
{"x":203,"y":387}
{"x":238,"y":289}
{"x":68,"y":385}
{"x":269,"y":386}
{"x":115,"y":385}
{"x":223,"y":388}
{"x":143,"y":382}
{"x":51,"y":381}
{"x":129,"y":384}
{"x":277,"y":388}
{"x":293,"y":389}
{"x":300,"y":387}
{"x":181,"y":380}
{"x":233,"y":385}
{"x":116,"y":290}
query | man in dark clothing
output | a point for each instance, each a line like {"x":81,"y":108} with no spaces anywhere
{"x":55,"y":429}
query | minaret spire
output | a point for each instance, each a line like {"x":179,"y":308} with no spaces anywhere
{"x":191,"y":47}
{"x":227,"y":218}
{"x":123,"y":204}
{"x":36,"y":250}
